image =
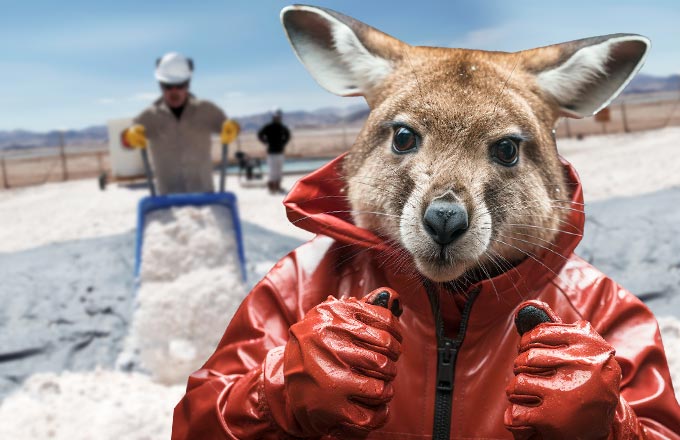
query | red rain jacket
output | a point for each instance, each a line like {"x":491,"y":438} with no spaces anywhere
{"x":224,"y":399}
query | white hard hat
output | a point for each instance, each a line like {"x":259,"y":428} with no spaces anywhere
{"x":174,"y":68}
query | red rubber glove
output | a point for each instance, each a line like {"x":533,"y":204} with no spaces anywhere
{"x":566,"y":383}
{"x":339,"y":363}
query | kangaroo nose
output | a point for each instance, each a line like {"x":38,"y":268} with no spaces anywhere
{"x":445,"y":221}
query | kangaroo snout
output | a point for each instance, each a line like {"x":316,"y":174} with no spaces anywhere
{"x":445,"y":221}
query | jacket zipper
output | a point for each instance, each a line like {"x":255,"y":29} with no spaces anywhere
{"x":447,"y":352}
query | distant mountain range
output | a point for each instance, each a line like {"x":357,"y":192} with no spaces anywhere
{"x":650,"y":84}
{"x":98,"y":135}
{"x":324,"y":117}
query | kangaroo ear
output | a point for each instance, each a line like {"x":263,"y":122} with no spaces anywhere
{"x":345,"y":56}
{"x":584,"y":76}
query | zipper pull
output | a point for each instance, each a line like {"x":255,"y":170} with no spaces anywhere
{"x":446,"y":353}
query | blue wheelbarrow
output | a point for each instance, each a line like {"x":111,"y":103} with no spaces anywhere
{"x":154,"y":202}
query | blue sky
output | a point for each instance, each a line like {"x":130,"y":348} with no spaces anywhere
{"x":71,"y":64}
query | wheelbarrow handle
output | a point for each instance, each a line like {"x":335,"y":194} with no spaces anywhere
{"x":148,"y":172}
{"x":223,"y":167}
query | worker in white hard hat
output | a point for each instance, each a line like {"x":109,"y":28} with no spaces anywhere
{"x":177,"y":127}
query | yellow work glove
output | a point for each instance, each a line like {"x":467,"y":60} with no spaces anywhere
{"x":230,"y":129}
{"x":135,"y":137}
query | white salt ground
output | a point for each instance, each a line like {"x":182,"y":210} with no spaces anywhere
{"x":190,"y":287}
{"x":76,"y":210}
{"x":625,"y":164}
{"x":104,"y":405}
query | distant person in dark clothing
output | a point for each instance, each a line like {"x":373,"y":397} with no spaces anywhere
{"x":276,"y":136}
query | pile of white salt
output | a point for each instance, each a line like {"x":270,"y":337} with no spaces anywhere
{"x":189,"y":288}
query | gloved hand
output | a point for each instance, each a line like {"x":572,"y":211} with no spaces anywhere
{"x":566,"y":383}
{"x":230,"y":129}
{"x":134,"y":137}
{"x":339,"y":364}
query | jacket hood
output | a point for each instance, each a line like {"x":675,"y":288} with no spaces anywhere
{"x":318,"y":204}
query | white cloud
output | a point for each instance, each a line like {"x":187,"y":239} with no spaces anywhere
{"x":143,"y":97}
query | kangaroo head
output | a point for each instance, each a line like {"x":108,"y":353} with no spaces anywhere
{"x":457,"y":161}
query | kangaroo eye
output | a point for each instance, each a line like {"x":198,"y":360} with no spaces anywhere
{"x":505,"y":152}
{"x":404,"y":140}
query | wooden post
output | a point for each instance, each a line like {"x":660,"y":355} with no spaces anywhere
{"x":344,"y":136}
{"x":62,"y":153}
{"x":625,"y":117}
{"x":672,"y":112}
{"x":100,"y":161}
{"x":603,"y":116}
{"x":5,"y":180}
{"x":566,"y":126}
{"x":291,"y":146}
